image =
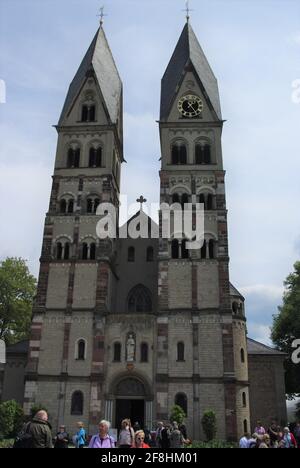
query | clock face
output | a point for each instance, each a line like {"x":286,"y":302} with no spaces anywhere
{"x":190,"y":106}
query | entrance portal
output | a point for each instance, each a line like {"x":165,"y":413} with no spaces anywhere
{"x":132,"y":409}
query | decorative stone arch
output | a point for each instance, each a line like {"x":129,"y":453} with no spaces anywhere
{"x":180,"y":189}
{"x":67,"y":195}
{"x":130,"y":383}
{"x":63,"y":237}
{"x":205,"y":188}
{"x":88,"y":237}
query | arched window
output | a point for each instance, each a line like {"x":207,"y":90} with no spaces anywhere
{"x":180,"y":352}
{"x":77,"y":404}
{"x":244,"y":398}
{"x":59,"y":251}
{"x":203,"y":153}
{"x":84,"y":113}
{"x":95,"y":157}
{"x":63,"y":206}
{"x":243,"y":356}
{"x":81,"y":350}
{"x":211,"y":249}
{"x":245,"y":426}
{"x":235,"y":307}
{"x":117,"y":352}
{"x":92,"y":204}
{"x":73,"y":158}
{"x":203,"y":250}
{"x":71,"y":206}
{"x":184,"y":250}
{"x":93,"y":251}
{"x":85,"y":250}
{"x":88,"y":113}
{"x":181,"y":400}
{"x":67,"y":251}
{"x":144,"y":352}
{"x":179,"y":153}
{"x":150,"y":254}
{"x":131,"y":254}
{"x":139,"y":300}
{"x":175,"y":249}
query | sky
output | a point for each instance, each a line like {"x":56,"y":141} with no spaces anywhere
{"x":253,"y":47}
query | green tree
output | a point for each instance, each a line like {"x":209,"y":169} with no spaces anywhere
{"x":177,"y":414}
{"x":286,"y":328}
{"x":209,"y":424}
{"x":17,"y":290}
{"x":11,"y":418}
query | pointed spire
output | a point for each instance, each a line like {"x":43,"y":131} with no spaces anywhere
{"x":102,"y":15}
{"x":188,"y":51}
{"x":99,"y":61}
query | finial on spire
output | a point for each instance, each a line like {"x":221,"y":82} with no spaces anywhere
{"x":187,"y":10}
{"x":141,"y":200}
{"x":102,"y":15}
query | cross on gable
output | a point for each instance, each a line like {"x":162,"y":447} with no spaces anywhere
{"x":141,"y":200}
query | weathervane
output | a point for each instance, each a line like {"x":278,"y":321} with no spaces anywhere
{"x":141,"y":200}
{"x":187,"y":10}
{"x":102,"y":14}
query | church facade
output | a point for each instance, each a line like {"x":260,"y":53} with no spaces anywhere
{"x":129,"y":327}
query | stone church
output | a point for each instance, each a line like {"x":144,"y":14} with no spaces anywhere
{"x":130,"y":327}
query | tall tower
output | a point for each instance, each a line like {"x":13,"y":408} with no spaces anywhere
{"x":200,"y":340}
{"x":76,"y":281}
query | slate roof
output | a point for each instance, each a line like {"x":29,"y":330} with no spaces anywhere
{"x":188,"y":50}
{"x":254,"y":347}
{"x":235,"y":292}
{"x":99,"y":60}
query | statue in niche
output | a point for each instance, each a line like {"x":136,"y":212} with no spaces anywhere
{"x":130,"y":348}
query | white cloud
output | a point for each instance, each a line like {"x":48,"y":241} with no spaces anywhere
{"x":260,"y":332}
{"x":269,"y":292}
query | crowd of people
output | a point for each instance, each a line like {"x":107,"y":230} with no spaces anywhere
{"x":273,"y":437}
{"x":38,"y":434}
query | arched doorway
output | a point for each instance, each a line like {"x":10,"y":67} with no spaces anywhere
{"x":130,"y":401}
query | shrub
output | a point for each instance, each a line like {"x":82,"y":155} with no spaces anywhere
{"x":213,"y":444}
{"x":209,"y":424}
{"x":11,"y":418}
{"x":177,"y":414}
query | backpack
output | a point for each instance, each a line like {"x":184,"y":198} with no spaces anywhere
{"x":24,"y":438}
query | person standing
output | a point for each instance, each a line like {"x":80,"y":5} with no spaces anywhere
{"x":260,"y":430}
{"x":40,"y":431}
{"x":62,"y":438}
{"x":139,"y":440}
{"x":273,"y":432}
{"x":80,"y":437}
{"x":297,"y":434}
{"x":160,"y":427}
{"x":126,"y":436}
{"x":289,"y":441}
{"x":245,"y":441}
{"x":176,"y":437}
{"x":102,"y":439}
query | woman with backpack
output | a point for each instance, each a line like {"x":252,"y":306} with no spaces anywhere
{"x":102,"y":439}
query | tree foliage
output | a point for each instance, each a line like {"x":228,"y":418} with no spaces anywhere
{"x":17,"y":290}
{"x":11,"y":418}
{"x":286,"y":328}
{"x":177,"y":414}
{"x":209,"y":424}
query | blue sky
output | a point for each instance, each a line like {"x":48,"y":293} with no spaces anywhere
{"x":253,"y":47}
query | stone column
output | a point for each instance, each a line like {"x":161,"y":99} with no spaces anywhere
{"x":149,"y":415}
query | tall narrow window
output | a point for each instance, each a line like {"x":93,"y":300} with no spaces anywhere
{"x":84,"y":114}
{"x":63,"y":206}
{"x":202,"y":200}
{"x":77,"y":404}
{"x":199,"y":154}
{"x":181,"y":400}
{"x":93,"y":251}
{"x":243,"y":356}
{"x":183,"y":154}
{"x":245,"y":426}
{"x":89,"y":207}
{"x":81,"y":350}
{"x":244,"y":398}
{"x":96,"y":204}
{"x":210,"y":202}
{"x":184,"y":250}
{"x":150,"y":254}
{"x":59,"y":251}
{"x":179,"y":153}
{"x":175,"y":198}
{"x":211,"y":249}
{"x":70,"y":162}
{"x":85,"y":250}
{"x":95,"y":157}
{"x":131,"y":254}
{"x":175,"y":249}
{"x":144,"y":352}
{"x":203,"y":251}
{"x":77,"y":158}
{"x":184,"y":200}
{"x":207,"y":154}
{"x":67,"y":251}
{"x":92,"y":113}
{"x":175,"y":155}
{"x":117,"y":352}
{"x":71,"y":206}
{"x":180,"y":352}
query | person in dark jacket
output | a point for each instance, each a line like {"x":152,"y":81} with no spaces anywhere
{"x":40,"y":431}
{"x":62,"y":438}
